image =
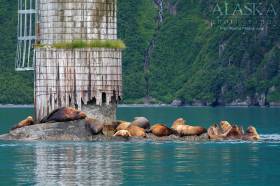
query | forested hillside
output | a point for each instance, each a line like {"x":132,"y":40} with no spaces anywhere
{"x":178,"y":49}
{"x":15,"y":88}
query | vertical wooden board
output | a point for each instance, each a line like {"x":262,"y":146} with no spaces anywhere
{"x":69,"y":20}
{"x":73,"y":80}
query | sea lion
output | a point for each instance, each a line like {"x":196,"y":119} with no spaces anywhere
{"x":225,"y":125}
{"x":64,"y":114}
{"x":251,"y":134}
{"x":178,"y":122}
{"x":27,"y":122}
{"x":122,"y":133}
{"x":136,"y":131}
{"x":215,"y":133}
{"x":235,"y":132}
{"x":94,"y":125}
{"x":123,"y":126}
{"x":141,"y":122}
{"x":161,"y":130}
{"x":188,"y":130}
{"x":109,"y":130}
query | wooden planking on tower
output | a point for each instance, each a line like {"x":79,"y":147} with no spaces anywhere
{"x":67,"y":20}
{"x":78,"y":76}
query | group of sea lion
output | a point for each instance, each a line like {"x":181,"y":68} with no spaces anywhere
{"x":227,"y":131}
{"x":140,"y":127}
{"x":137,"y":128}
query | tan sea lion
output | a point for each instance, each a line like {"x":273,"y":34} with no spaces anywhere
{"x":251,"y":134}
{"x":188,"y":130}
{"x":141,"y":122}
{"x":94,"y":125}
{"x":225,"y":125}
{"x":136,"y":131}
{"x":178,"y":122}
{"x":122,"y":133}
{"x":64,"y":114}
{"x":215,"y":133}
{"x":123,"y":126}
{"x":27,"y":122}
{"x":161,"y":130}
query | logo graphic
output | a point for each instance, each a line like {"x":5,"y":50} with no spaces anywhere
{"x":254,"y":15}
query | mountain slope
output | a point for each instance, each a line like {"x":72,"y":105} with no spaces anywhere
{"x":176,"y":50}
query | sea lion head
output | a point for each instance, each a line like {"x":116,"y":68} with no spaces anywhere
{"x":123,"y":133}
{"x":251,"y":130}
{"x":178,"y":122}
{"x":252,"y":134}
{"x":123,"y":125}
{"x":74,"y":113}
{"x":213,"y":132}
{"x":225,"y":126}
{"x":29,"y":118}
{"x":82,"y":114}
{"x":235,"y":132}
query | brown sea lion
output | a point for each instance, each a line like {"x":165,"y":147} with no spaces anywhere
{"x":161,"y":130}
{"x":251,"y":134}
{"x":27,"y":122}
{"x":141,"y":122}
{"x":136,"y":131}
{"x":215,"y":133}
{"x":122,"y":133}
{"x":178,"y":122}
{"x":94,"y":125}
{"x":64,"y":114}
{"x":123,"y":126}
{"x":235,"y":132}
{"x":188,"y":130}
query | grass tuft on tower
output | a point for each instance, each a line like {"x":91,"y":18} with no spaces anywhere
{"x":114,"y":44}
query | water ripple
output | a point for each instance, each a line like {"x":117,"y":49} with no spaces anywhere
{"x":270,"y":138}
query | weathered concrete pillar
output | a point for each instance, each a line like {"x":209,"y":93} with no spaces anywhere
{"x":106,"y":113}
{"x":87,"y":78}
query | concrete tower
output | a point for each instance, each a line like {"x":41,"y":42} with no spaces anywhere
{"x":77,"y":57}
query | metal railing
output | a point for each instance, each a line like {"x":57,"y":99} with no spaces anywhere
{"x":26,"y":36}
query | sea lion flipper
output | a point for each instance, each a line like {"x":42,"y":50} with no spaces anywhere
{"x":227,"y":132}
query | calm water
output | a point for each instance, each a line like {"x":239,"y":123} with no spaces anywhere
{"x":146,"y":163}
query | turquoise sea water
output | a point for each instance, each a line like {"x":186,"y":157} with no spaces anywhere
{"x":146,"y":163}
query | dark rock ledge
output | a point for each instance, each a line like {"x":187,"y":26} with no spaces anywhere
{"x":77,"y":131}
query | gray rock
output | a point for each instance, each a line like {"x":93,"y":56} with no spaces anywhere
{"x":177,"y":103}
{"x":63,"y":131}
{"x":238,"y":102}
{"x":77,"y":131}
{"x":198,"y":103}
{"x":274,"y":104}
{"x":141,"y":122}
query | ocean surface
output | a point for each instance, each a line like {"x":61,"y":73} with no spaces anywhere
{"x":231,"y":163}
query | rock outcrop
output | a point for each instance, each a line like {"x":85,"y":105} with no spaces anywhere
{"x":78,"y":131}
